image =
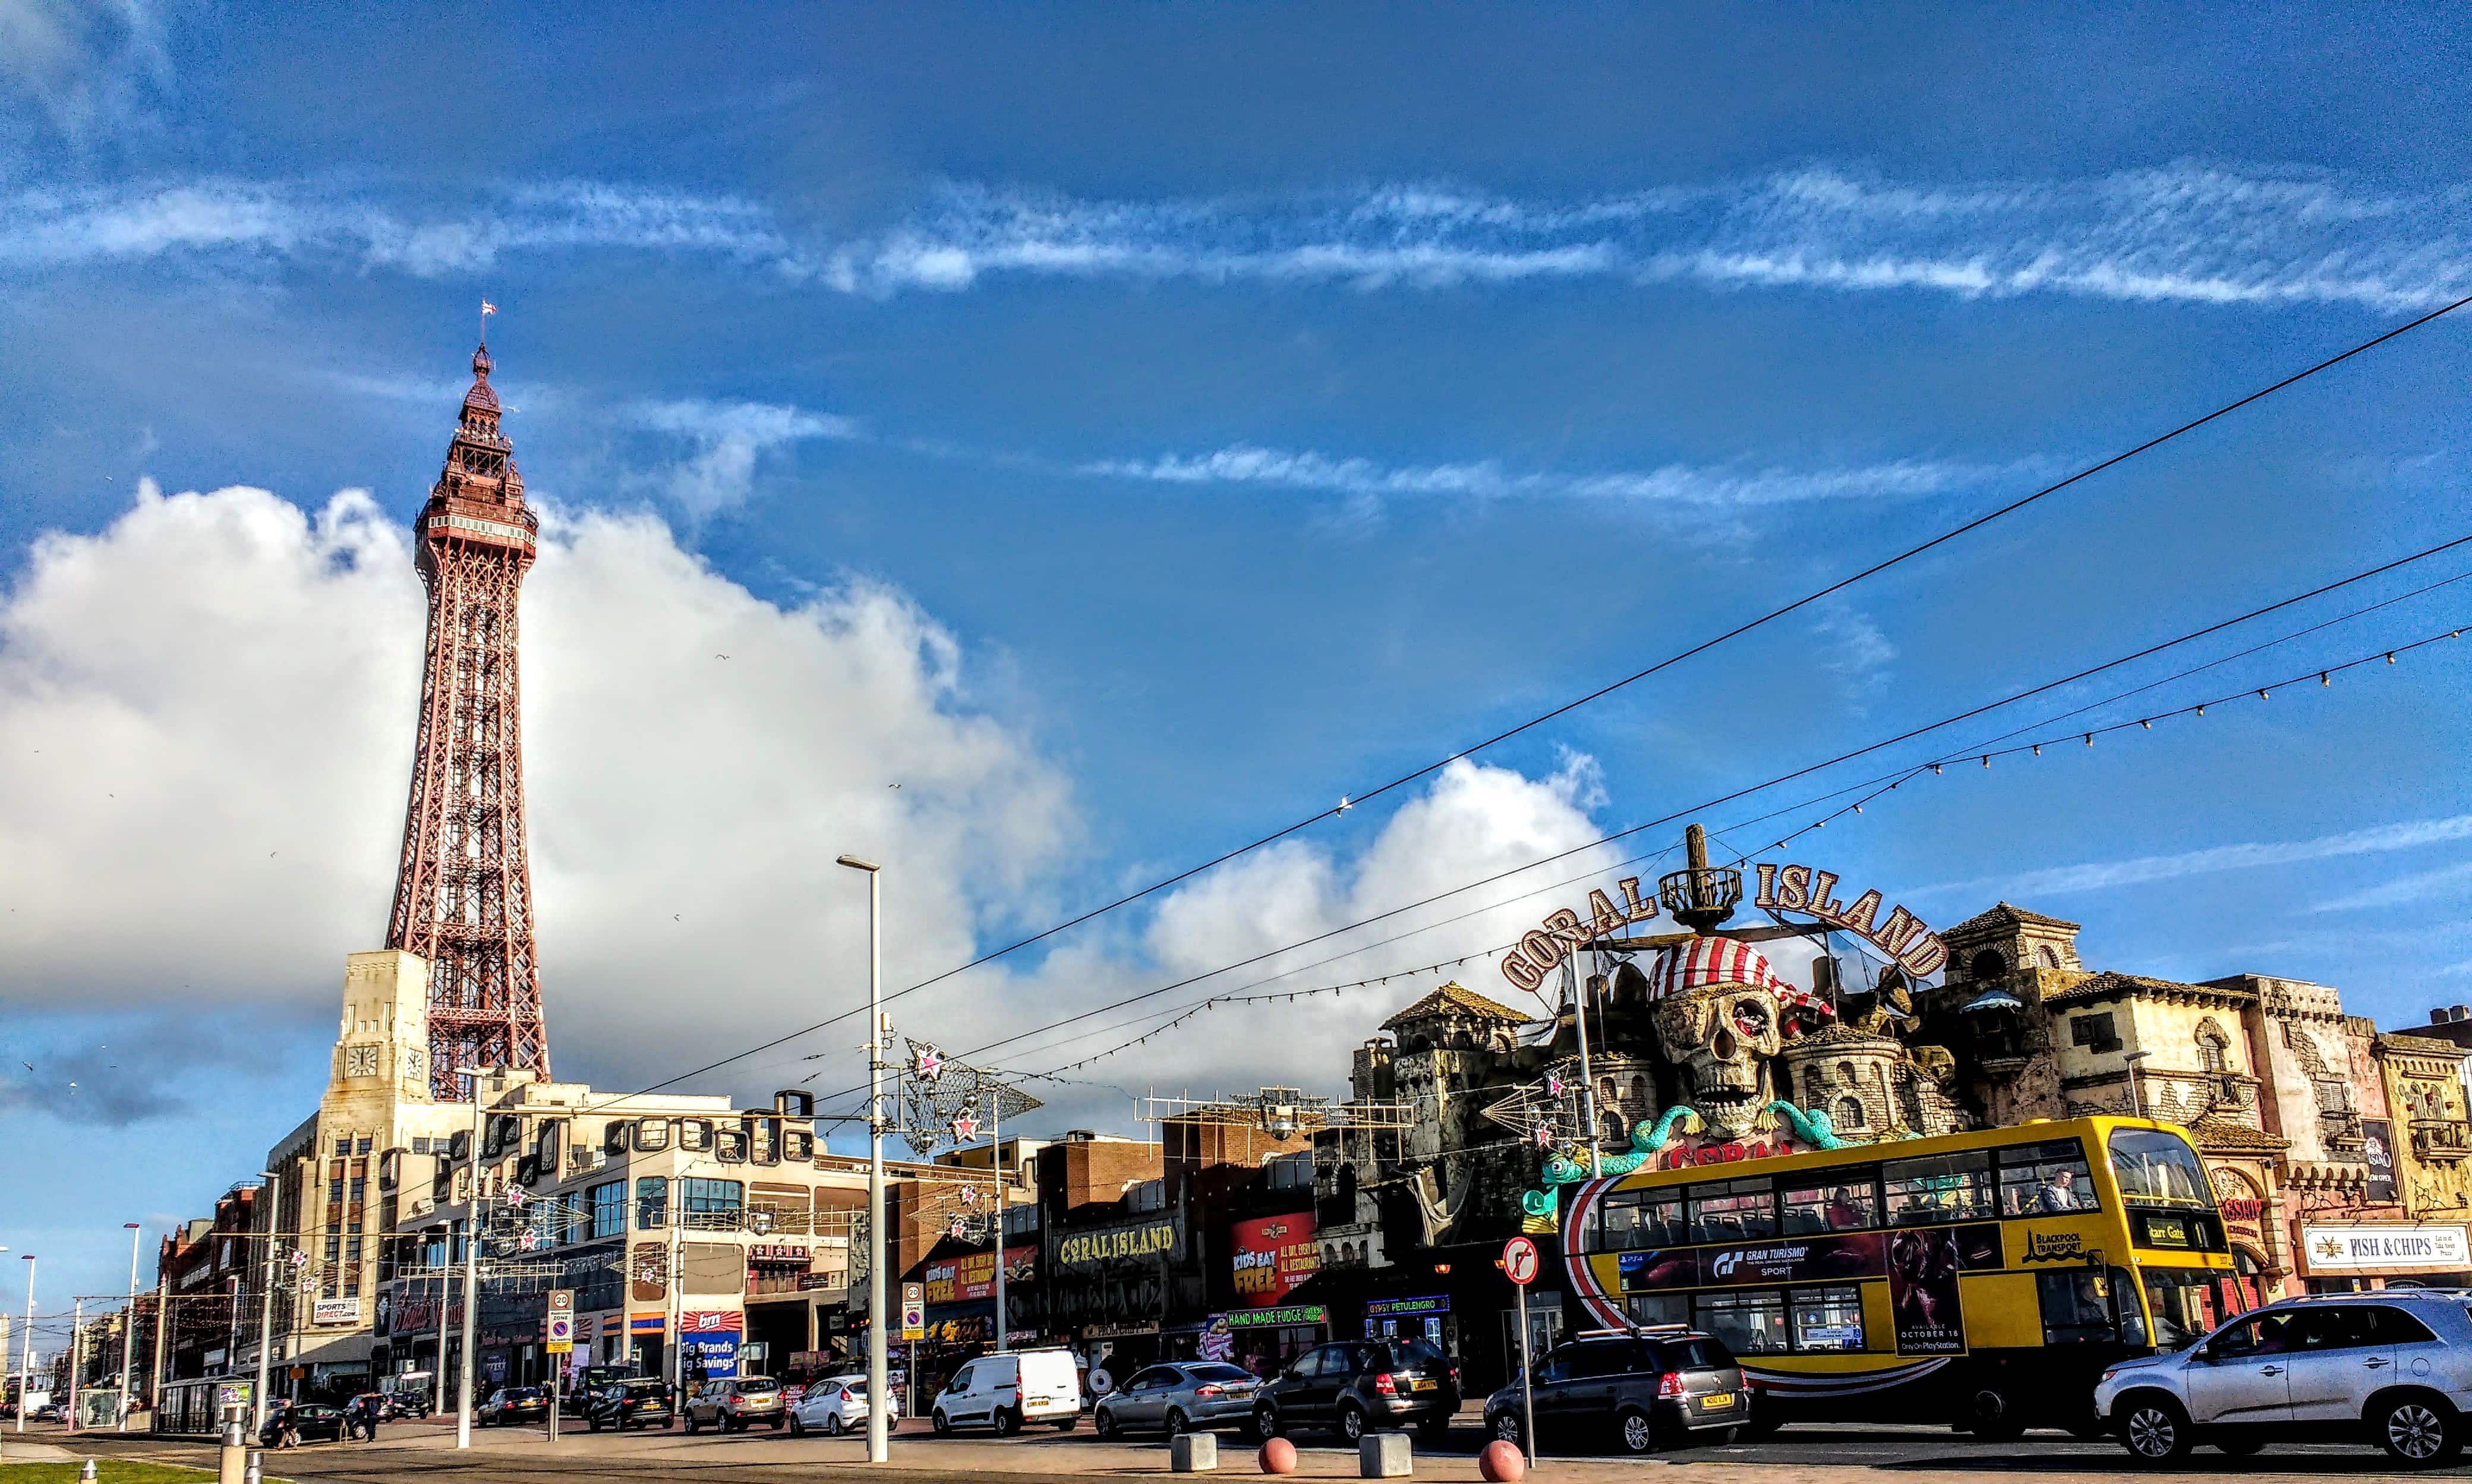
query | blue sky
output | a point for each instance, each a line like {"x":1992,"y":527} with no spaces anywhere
{"x":1131,"y":430}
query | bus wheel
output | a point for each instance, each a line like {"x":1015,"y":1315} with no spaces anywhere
{"x":1996,"y":1417}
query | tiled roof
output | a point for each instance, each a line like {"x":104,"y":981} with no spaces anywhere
{"x":1454,"y":1000}
{"x":2002,"y":915}
{"x":2110,"y":984}
{"x":2225,"y":1135}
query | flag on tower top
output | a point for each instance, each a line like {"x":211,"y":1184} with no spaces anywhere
{"x":488,"y":308}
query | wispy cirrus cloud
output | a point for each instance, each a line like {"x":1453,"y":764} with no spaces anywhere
{"x":1709,"y":487}
{"x":2403,"y":890}
{"x":2101,"y":874}
{"x":2181,"y":233}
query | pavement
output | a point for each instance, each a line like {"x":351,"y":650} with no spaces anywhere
{"x":1803,"y":1455}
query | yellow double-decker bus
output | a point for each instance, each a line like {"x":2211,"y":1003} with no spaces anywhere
{"x":1981,"y":1279}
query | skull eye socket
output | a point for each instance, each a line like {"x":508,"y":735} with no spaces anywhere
{"x":1751,"y":1019}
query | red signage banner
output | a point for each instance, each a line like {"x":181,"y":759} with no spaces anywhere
{"x":1271,"y":1256}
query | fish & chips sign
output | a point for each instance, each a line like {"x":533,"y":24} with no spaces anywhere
{"x":1802,"y":890}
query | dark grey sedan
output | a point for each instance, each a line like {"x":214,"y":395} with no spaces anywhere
{"x":1182,"y":1396}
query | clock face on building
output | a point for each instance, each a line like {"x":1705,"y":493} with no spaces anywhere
{"x":361,"y":1061}
{"x":412,"y":1063}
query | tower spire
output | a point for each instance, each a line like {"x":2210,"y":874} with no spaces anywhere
{"x":463,"y":895}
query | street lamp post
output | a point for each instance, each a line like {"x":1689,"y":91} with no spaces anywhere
{"x":26,"y":1356}
{"x":879,"y":1446}
{"x":471,"y":1271}
{"x":266,"y":1300}
{"x":128,"y":1331}
{"x":2136,"y":1095}
{"x":77,"y":1357}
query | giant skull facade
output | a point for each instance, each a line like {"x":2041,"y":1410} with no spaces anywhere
{"x":1721,"y":1038}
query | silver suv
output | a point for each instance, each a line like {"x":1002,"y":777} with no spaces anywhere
{"x":2394,"y":1366}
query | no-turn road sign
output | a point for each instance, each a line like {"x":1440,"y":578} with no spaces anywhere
{"x":1519,"y":1261}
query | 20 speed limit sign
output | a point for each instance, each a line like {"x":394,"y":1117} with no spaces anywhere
{"x":1519,"y":1261}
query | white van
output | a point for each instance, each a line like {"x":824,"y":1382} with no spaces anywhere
{"x":1005,"y":1391}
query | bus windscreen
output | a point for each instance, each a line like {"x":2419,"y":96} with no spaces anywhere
{"x":2157,"y":1166}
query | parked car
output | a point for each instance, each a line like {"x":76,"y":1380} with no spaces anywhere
{"x":736,"y":1404}
{"x":2394,"y":1367}
{"x":1179,"y":1398}
{"x":1008,"y":1390}
{"x":837,"y":1403}
{"x":1642,"y":1390}
{"x":508,"y":1405}
{"x":302,"y":1422}
{"x":1361,"y":1385}
{"x":636,"y":1402}
{"x":408,"y":1394}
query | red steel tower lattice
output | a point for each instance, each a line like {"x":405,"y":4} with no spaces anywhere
{"x":463,"y":893}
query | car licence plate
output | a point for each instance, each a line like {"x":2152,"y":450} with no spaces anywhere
{"x":1420,"y":1384}
{"x":1718,"y":1403}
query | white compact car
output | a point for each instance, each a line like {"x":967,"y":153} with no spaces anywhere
{"x":1006,"y":1391}
{"x":2393,"y":1367}
{"x":837,"y":1404}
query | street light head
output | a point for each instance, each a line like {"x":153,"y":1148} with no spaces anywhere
{"x":126,"y":1226}
{"x":857,"y":865}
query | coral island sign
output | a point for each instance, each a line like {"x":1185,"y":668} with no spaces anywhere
{"x":1808,"y":892}
{"x":1803,"y":890}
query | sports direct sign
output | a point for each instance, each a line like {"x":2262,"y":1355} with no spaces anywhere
{"x":1272,"y":1255}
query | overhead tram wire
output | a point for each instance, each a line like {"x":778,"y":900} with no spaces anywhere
{"x":1878,"y":786}
{"x":1350,"y":801}
{"x":1801,"y":772}
{"x":2322,"y":673}
{"x":1702,"y":647}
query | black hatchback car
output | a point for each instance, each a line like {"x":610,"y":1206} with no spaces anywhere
{"x":1361,"y":1385}
{"x":636,"y":1402}
{"x":1642,"y":1390}
{"x":302,"y":1422}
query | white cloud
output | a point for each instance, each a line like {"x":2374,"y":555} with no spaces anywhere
{"x":729,"y":437}
{"x":2097,"y":876}
{"x":2183,"y":234}
{"x":88,"y":64}
{"x":206,"y":710}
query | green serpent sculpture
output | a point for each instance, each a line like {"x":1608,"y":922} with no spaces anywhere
{"x":1542,"y":1208}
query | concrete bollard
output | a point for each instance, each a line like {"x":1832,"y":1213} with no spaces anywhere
{"x":1193,"y":1452}
{"x":257,"y":1466}
{"x":86,"y":1471}
{"x":232,"y":1460}
{"x":1385,"y":1455}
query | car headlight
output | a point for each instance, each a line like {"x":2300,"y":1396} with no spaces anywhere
{"x":2107,"y":1376}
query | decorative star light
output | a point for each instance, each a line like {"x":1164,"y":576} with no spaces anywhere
{"x":517,"y":1198}
{"x":928,"y":1064}
{"x":966,"y":1128}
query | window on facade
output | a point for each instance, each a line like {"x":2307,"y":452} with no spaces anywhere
{"x":1826,"y":1319}
{"x":1848,"y":1113}
{"x":1986,"y":965}
{"x":1733,"y":1210}
{"x":652,"y":1203}
{"x":2044,"y":1178}
{"x":1939,"y":1187}
{"x":608,"y":1209}
{"x":342,"y":1146}
{"x":334,"y":1267}
{"x":353,"y":1268}
{"x":1749,"y":1322}
{"x":360,"y":1145}
{"x":420,"y":1145}
{"x":1849,"y":1201}
{"x":711,"y":1199}
{"x":2094,"y":1032}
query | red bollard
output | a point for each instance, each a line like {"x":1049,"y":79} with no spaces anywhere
{"x":1278,"y":1455}
{"x":1501,"y":1463}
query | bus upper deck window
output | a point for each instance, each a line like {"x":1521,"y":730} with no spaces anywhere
{"x":2158,"y":1165}
{"x":2046,"y":1179}
{"x":1733,"y":1210}
{"x":1939,"y":1187}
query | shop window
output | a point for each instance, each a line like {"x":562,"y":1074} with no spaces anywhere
{"x":1940,"y":1188}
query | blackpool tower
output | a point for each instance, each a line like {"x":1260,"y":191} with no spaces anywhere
{"x":463,"y":891}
